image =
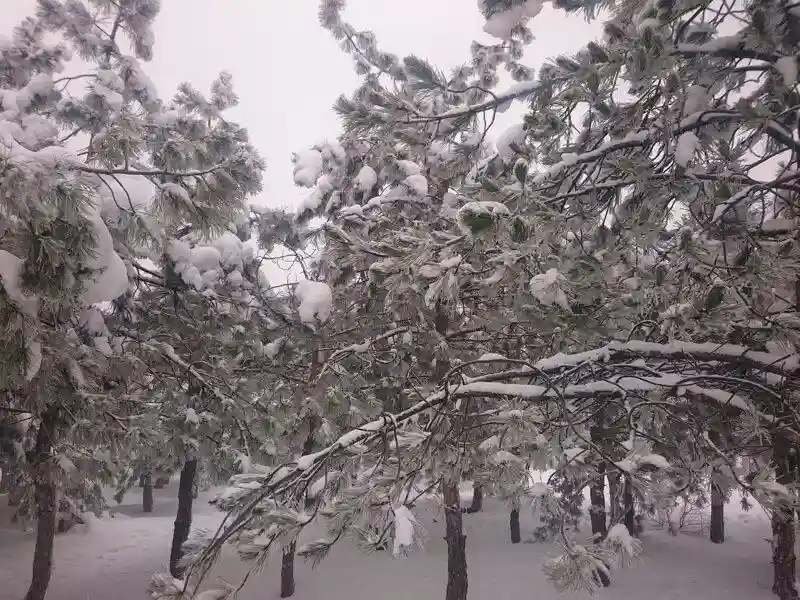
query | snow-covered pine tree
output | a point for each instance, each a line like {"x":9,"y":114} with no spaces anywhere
{"x":97,"y":174}
{"x":305,"y":410}
{"x":392,"y":238}
{"x":722,"y":269}
{"x":197,"y":317}
{"x":716,"y":229}
{"x":347,"y":175}
{"x":645,"y":300}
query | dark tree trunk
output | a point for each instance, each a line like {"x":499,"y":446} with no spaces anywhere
{"x":45,"y":489}
{"x":147,"y":493}
{"x":630,"y":515}
{"x":597,"y":497}
{"x":614,"y":494}
{"x":477,"y":499}
{"x":717,"y":528}
{"x":513,"y":520}
{"x":287,"y":557}
{"x":597,"y":489}
{"x":456,"y":545}
{"x":783,"y":556}
{"x":287,"y":570}
{"x":183,"y":520}
{"x":597,"y":514}
{"x":783,"y":536}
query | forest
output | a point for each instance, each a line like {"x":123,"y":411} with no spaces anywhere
{"x":576,"y":337}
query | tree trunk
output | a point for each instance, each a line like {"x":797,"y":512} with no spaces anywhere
{"x":717,"y":528}
{"x":45,"y":489}
{"x":183,"y":520}
{"x":630,"y":515}
{"x":287,"y":570}
{"x":513,"y":520}
{"x":614,"y":494}
{"x":147,"y":493}
{"x":597,"y":489}
{"x":783,"y":556}
{"x":783,"y":536}
{"x":477,"y":499}
{"x":597,"y":497}
{"x":287,"y":557}
{"x":456,"y":545}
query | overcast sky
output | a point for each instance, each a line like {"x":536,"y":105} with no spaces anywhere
{"x":288,"y":70}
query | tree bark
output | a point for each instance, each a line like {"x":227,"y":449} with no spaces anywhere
{"x":513,"y":520}
{"x":147,"y":493}
{"x":614,"y":494}
{"x":287,"y":570}
{"x":183,"y":520}
{"x":456,"y":545}
{"x":597,"y":497}
{"x":597,"y":489}
{"x":717,"y":528}
{"x":630,"y":515}
{"x":477,"y":499}
{"x":287,"y":557}
{"x":783,"y":536}
{"x":45,"y":507}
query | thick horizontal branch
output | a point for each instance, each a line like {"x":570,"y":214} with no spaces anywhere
{"x":724,"y":353}
{"x":281,"y":480}
{"x":495,"y":102}
{"x":784,"y":183}
{"x":146,"y":173}
{"x":655,"y":134}
{"x":366,"y":345}
{"x":716,"y":49}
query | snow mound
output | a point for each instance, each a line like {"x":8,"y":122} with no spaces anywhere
{"x":417,"y":184}
{"x":404,"y":524}
{"x":316,"y":301}
{"x":547,"y":288}
{"x":231,"y":250}
{"x":307,"y":167}
{"x":109,"y":278}
{"x":366,"y":179}
{"x":513,"y":136}
{"x":502,"y":22}
{"x":128,"y":193}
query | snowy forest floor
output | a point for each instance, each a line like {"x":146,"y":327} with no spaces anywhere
{"x":113,"y":558}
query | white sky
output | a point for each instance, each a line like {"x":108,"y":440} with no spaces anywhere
{"x":288,"y":71}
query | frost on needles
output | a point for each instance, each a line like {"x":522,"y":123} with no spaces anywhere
{"x":606,"y":290}
{"x":584,"y":253}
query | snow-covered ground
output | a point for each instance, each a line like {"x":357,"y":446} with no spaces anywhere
{"x":112,"y":559}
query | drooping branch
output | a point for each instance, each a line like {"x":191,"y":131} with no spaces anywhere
{"x":146,"y":173}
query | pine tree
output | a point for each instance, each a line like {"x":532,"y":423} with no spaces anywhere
{"x":97,"y":175}
{"x":628,"y":233}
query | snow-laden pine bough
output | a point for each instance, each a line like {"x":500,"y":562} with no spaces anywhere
{"x":368,"y":480}
{"x":634,"y":161}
